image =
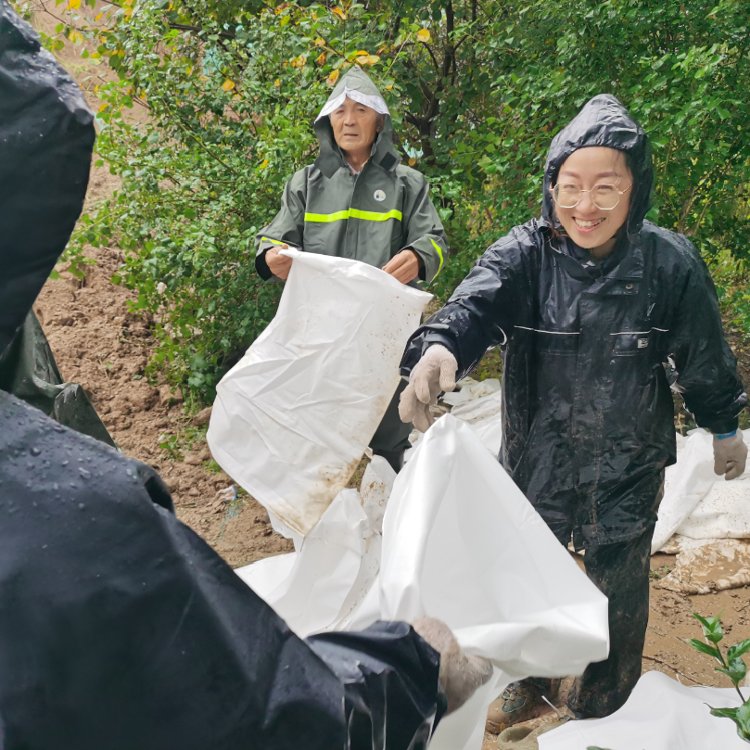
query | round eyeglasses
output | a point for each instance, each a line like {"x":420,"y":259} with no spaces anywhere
{"x":604,"y":197}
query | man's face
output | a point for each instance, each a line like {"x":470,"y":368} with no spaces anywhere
{"x":355,"y":127}
{"x":595,"y":167}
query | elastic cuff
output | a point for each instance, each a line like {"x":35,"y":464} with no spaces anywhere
{"x":725,"y":435}
{"x":261,"y":266}
{"x":719,"y":426}
{"x":421,"y":273}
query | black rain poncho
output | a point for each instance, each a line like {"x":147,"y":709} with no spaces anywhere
{"x":53,"y":170}
{"x":587,"y":408}
{"x":119,"y":627}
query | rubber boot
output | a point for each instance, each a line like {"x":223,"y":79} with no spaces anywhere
{"x":394,"y":458}
{"x":521,"y":701}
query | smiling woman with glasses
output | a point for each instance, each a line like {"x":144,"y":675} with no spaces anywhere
{"x":586,"y":303}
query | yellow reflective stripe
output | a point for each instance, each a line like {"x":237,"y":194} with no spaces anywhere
{"x":272,"y":241}
{"x":327,"y":218}
{"x":354,"y":213}
{"x":439,"y":251}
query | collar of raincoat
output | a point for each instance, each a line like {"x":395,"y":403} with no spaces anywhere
{"x":357,"y":85}
{"x":46,"y":140}
{"x":603,"y":121}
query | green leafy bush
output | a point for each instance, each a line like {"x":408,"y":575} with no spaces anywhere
{"x":731,"y":274}
{"x":732,"y":665}
{"x":212,"y":105}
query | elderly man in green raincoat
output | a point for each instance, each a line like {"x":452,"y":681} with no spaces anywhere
{"x":358,"y":201}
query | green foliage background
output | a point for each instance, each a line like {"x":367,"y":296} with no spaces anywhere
{"x":477,"y":89}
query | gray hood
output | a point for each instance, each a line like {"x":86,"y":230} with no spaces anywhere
{"x":357,"y":83}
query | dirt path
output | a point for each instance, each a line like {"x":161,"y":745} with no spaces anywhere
{"x":99,"y":344}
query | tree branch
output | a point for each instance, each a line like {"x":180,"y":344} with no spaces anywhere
{"x":676,"y":671}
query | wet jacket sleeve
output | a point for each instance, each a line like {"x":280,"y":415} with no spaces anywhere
{"x":288,"y":224}
{"x":423,"y":228}
{"x":706,"y":368}
{"x":390,"y":676}
{"x":480,"y":312}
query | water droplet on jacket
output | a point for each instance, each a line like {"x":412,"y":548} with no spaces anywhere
{"x":85,"y":473}
{"x":81,"y":506}
{"x":35,"y":451}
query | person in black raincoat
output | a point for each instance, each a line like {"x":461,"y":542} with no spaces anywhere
{"x":587,"y":303}
{"x":119,"y":627}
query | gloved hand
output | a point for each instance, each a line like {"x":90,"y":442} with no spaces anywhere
{"x":460,"y":674}
{"x":435,"y":372}
{"x":730,"y":455}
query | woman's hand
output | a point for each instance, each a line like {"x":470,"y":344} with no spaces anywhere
{"x":404,"y":266}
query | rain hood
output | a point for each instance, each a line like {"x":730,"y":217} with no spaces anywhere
{"x":356,"y":85}
{"x":46,"y":140}
{"x":604,"y":121}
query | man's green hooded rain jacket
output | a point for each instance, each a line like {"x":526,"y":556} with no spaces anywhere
{"x":370,"y":216}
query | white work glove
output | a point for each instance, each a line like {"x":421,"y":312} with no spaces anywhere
{"x":435,"y":372}
{"x":730,"y":455}
{"x":460,"y":674}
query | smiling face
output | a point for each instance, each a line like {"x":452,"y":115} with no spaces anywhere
{"x":588,"y":226}
{"x":355,"y":127}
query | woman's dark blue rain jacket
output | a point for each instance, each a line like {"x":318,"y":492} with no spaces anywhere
{"x":588,"y":412}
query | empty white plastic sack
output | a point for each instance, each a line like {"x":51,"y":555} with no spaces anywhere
{"x":329,"y":583}
{"x":462,"y":543}
{"x":459,"y":542}
{"x":697,"y":503}
{"x":293,"y":417}
{"x":660,"y":714}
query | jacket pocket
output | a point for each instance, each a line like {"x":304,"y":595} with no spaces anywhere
{"x":631,"y":343}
